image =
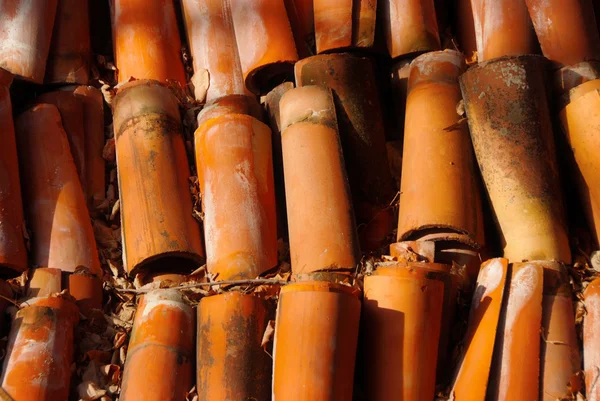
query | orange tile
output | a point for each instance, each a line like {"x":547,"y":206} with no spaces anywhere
{"x":265,"y":43}
{"x":70,"y":49}
{"x":235,"y":172}
{"x":146,"y":41}
{"x":301,"y":16}
{"x":271,"y":104}
{"x":566,"y":29}
{"x":44,"y":282}
{"x":87,"y":291}
{"x":71,"y":115}
{"x":502,"y":28}
{"x":439,"y":191}
{"x":410,"y":26}
{"x":560,"y":356}
{"x":160,"y":355}
{"x":321,"y":223}
{"x":344,"y":24}
{"x":56,"y":211}
{"x":214,"y":49}
{"x":93,"y":125}
{"x":37,"y":365}
{"x":516,"y":373}
{"x":509,"y":121}
{"x":465,"y":27}
{"x":472,"y":378}
{"x":13,"y":254}
{"x":579,"y":121}
{"x":402,"y":317}
{"x":231,"y":363}
{"x":315,"y":341}
{"x":25,"y":35}
{"x":352,"y":82}
{"x":151,"y":160}
{"x":591,"y":330}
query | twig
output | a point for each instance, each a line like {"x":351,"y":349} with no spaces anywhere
{"x":255,"y":281}
{"x":595,"y":379}
{"x":551,"y":341}
{"x":11,"y":301}
{"x":4,"y":396}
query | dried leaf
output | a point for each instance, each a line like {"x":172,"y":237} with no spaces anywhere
{"x":473,"y":59}
{"x":109,"y":151}
{"x":595,"y":261}
{"x":460,"y":108}
{"x":456,"y":126}
{"x":111,"y":372}
{"x":126,"y":310}
{"x":107,"y":92}
{"x":268,"y":334}
{"x":89,"y":391}
{"x":192,"y":395}
{"x":201,"y":82}
{"x":114,"y":268}
{"x":104,"y":235}
{"x":120,"y":339}
{"x":97,"y":355}
{"x":122,"y":355}
{"x":92,"y":373}
{"x":115,"y":209}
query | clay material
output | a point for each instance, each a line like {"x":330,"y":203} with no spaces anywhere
{"x":352,"y":82}
{"x":71,"y":115}
{"x":25,"y":35}
{"x":214,"y":49}
{"x":56,"y":211}
{"x":70,"y":49}
{"x":265,"y":43}
{"x":321,"y":222}
{"x":508,"y":116}
{"x":591,"y":330}
{"x":560,"y":357}
{"x":465,"y":28}
{"x":580,"y":119}
{"x":37,"y":365}
{"x":439,"y":190}
{"x":13,"y":254}
{"x":301,"y":16}
{"x":44,"y":282}
{"x":472,"y":376}
{"x":517,"y":371}
{"x":502,"y":347}
{"x":235,"y":172}
{"x":566,"y":30}
{"x":93,"y":124}
{"x":410,"y":26}
{"x":231,"y":363}
{"x":344,"y":24}
{"x":151,"y":160}
{"x":402,"y":322}
{"x":160,"y":356}
{"x":230,"y":104}
{"x":502,"y":28}
{"x":271,"y":105}
{"x":413,"y":251}
{"x":87,"y":291}
{"x":316,"y":334}
{"x":146,"y":41}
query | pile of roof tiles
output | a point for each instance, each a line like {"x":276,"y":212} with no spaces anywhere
{"x":300,"y":200}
